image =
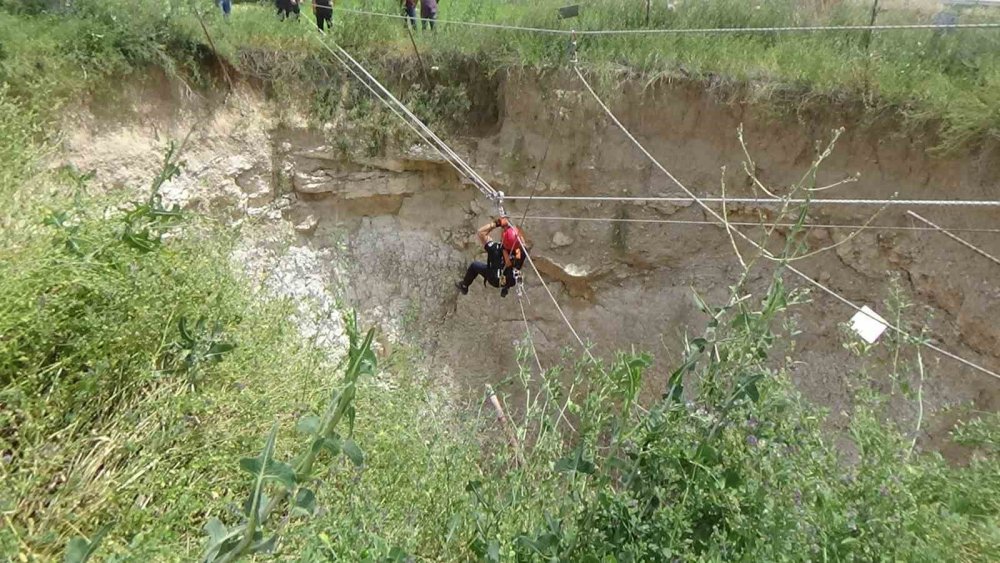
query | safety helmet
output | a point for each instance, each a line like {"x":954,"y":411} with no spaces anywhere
{"x":510,"y":239}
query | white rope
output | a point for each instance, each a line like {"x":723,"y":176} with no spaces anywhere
{"x":683,"y":31}
{"x":541,"y":370}
{"x":531,"y":340}
{"x":750,"y":224}
{"x":764,"y":251}
{"x":771,"y":202}
{"x":456,"y":161}
{"x":392,"y":108}
{"x":428,"y":135}
{"x":562,"y":314}
{"x":960,"y":240}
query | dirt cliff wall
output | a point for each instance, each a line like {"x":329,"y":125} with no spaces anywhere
{"x":400,"y":226}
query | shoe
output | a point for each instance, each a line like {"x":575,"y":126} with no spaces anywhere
{"x":462,"y":287}
{"x":503,"y":292}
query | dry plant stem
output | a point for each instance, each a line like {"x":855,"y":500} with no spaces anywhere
{"x":13,"y":530}
{"x":836,"y":244}
{"x":811,"y":172}
{"x":849,"y":180}
{"x":750,"y":166}
{"x":725,"y":216}
{"x":506,"y":424}
{"x":562,"y":411}
{"x":920,"y":402}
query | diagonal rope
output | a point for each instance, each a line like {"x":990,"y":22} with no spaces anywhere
{"x":541,"y":165}
{"x":531,"y":340}
{"x":722,"y":222}
{"x":957,"y":239}
{"x":412,"y":120}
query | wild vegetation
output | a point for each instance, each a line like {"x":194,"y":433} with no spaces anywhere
{"x":945,"y":80}
{"x":151,"y":408}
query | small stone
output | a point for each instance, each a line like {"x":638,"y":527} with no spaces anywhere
{"x":561,"y":239}
{"x":820,"y":234}
{"x":307,"y":225}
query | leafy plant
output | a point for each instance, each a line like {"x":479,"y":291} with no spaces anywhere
{"x":292,"y":480}
{"x":199,"y":346}
{"x":145,"y":225}
{"x":80,"y":549}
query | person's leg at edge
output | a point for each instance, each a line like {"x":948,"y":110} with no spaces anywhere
{"x":424,"y":15}
{"x":475,"y":270}
{"x":411,"y":17}
{"x":324,"y":19}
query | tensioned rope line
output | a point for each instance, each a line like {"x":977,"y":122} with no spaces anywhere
{"x":770,"y":202}
{"x":722,"y":223}
{"x":456,"y":161}
{"x":424,"y":132}
{"x":538,"y":362}
{"x":957,"y":239}
{"x":399,"y":112}
{"x":685,"y":31}
{"x":531,"y":339}
{"x":749,"y":224}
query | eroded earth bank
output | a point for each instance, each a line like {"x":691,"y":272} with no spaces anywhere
{"x":389,"y":234}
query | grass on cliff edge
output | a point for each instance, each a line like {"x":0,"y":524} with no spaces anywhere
{"x":951,"y":80}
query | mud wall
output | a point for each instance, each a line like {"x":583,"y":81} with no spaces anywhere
{"x":400,"y":227}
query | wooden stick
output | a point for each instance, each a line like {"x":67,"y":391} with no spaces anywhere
{"x":218,"y":57}
{"x":505,"y":422}
{"x":420,"y":61}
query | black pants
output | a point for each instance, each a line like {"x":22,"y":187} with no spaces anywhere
{"x":286,"y":9}
{"x":477,"y":269}
{"x":324,"y":16}
{"x":427,"y":17}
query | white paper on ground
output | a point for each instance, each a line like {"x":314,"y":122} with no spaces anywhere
{"x":868,"y":324}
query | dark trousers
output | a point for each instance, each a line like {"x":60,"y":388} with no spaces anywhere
{"x":427,"y":17}
{"x":286,"y":9}
{"x":324,"y":16}
{"x":411,"y":16}
{"x":477,"y":269}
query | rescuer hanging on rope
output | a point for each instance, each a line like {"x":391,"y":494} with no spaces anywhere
{"x":503,"y":259}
